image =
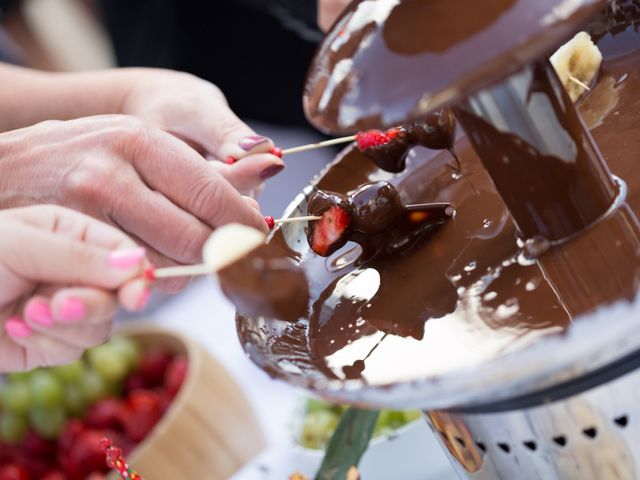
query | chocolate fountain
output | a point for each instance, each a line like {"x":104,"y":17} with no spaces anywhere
{"x":516,"y":326}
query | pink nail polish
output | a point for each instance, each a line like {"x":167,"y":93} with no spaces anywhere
{"x":39,"y":312}
{"x":124,"y":259}
{"x":252,"y":141}
{"x":16,"y":328}
{"x":72,"y":310}
{"x":144,"y":299}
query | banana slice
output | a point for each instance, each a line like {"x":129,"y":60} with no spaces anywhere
{"x":577,"y":63}
{"x":230,"y":243}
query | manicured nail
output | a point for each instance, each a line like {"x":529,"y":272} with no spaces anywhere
{"x":250,"y":142}
{"x":39,"y":312}
{"x":124,"y":259}
{"x":144,"y":299}
{"x":16,"y":328}
{"x":72,"y":310}
{"x":271,"y":171}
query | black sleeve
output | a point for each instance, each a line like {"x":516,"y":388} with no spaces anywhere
{"x":297,"y":15}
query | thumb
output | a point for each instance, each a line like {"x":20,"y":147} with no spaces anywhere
{"x":45,"y":257}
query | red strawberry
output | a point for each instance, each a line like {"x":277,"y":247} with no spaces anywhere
{"x":85,"y":455}
{"x":142,"y":411}
{"x":153,"y":365}
{"x":375,"y":138}
{"x":36,"y":446}
{"x":54,"y":475}
{"x":175,"y":375}
{"x":13,"y":472}
{"x":104,"y":414}
{"x":329,"y":232}
{"x":133,"y":382}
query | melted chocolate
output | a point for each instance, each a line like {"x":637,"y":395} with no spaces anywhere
{"x":463,"y":295}
{"x":540,"y":156}
{"x":386,"y":62}
{"x":266,"y":283}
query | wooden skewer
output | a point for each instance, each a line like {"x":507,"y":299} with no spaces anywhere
{"x":313,"y":146}
{"x":576,"y":81}
{"x":297,"y":219}
{"x":152,"y":273}
{"x":180,"y":271}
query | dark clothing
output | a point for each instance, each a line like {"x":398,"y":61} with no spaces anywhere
{"x":9,"y":52}
{"x":256,"y":51}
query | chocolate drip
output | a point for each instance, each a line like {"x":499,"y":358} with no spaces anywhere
{"x":539,"y":154}
{"x":266,"y":283}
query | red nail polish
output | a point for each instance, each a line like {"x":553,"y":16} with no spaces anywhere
{"x":271,"y":171}
{"x":277,"y":151}
{"x":270,"y":221}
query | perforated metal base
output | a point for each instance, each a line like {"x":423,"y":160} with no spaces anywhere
{"x":594,"y":434}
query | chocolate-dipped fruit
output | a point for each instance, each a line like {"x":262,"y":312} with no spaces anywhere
{"x":259,"y":279}
{"x":332,"y":230}
{"x":375,"y":207}
{"x":373,"y":216}
{"x":389,"y":149}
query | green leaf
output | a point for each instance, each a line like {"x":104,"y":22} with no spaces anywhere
{"x":348,"y":443}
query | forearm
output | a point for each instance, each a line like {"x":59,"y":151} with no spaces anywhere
{"x":31,"y":96}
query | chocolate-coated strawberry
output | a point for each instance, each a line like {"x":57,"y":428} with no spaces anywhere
{"x":389,"y":149}
{"x":330,"y":232}
{"x":375,"y":207}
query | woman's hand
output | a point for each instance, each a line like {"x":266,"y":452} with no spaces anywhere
{"x":328,"y":12}
{"x":196,"y":111}
{"x":120,"y":170}
{"x":62,"y":275}
{"x":189,"y":108}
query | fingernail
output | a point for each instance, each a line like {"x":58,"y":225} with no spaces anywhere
{"x":16,"y":328}
{"x":144,"y":299}
{"x":250,"y":142}
{"x":271,"y":171}
{"x":72,"y":310}
{"x":124,"y":259}
{"x":40,"y":313}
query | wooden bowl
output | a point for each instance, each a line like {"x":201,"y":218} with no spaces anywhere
{"x":209,"y":431}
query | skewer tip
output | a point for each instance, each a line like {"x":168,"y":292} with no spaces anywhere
{"x":270,"y":221}
{"x":230,"y":160}
{"x":277,"y":151}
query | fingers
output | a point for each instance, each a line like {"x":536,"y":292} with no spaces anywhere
{"x":72,"y":224}
{"x":248,"y":174}
{"x":37,"y":256}
{"x":79,"y":317}
{"x":168,"y":165}
{"x":168,"y":229}
{"x":31,"y":349}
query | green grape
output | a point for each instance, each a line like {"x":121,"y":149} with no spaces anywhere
{"x":72,"y":372}
{"x":317,"y":428}
{"x":16,"y":396}
{"x":46,"y":390}
{"x":74,"y":399}
{"x":109,"y":363}
{"x":13,"y":427}
{"x":94,"y":387}
{"x":128,"y":348}
{"x":48,"y":422}
{"x":18,"y":376}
